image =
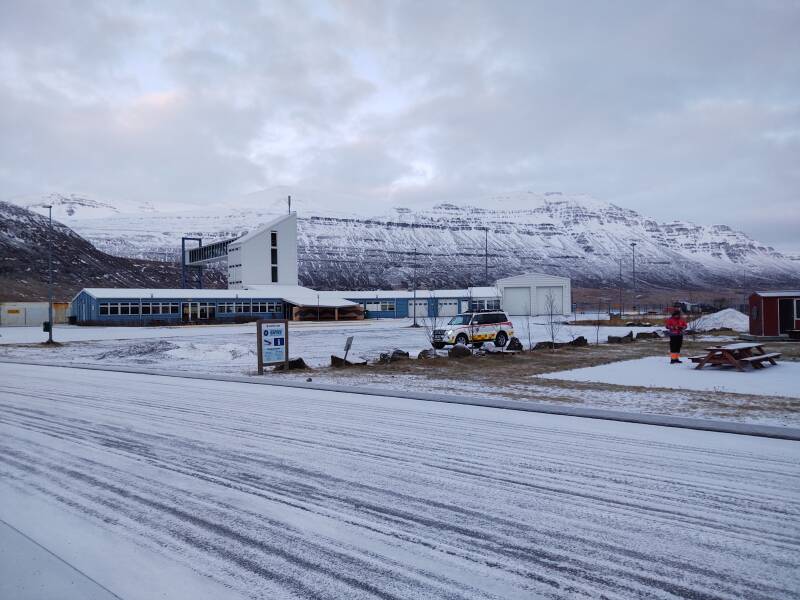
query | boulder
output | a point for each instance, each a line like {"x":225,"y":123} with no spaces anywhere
{"x":293,"y":365}
{"x":647,"y":335}
{"x":338,"y":361}
{"x":625,"y":339}
{"x":514,"y":345}
{"x":394,"y":355}
{"x":579,"y":341}
{"x":427,"y":353}
{"x":459,"y":351}
{"x":549,"y":345}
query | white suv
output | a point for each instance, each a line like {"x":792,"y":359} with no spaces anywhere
{"x":475,"y":328}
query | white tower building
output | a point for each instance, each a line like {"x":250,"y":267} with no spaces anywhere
{"x":266,"y":256}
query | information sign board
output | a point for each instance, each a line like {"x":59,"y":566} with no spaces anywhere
{"x":273,"y":343}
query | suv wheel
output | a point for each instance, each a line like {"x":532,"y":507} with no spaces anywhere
{"x":462,"y":338}
{"x":501,"y":340}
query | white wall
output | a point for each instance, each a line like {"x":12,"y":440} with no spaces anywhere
{"x":529,"y":291}
{"x":20,"y":314}
{"x":250,"y":258}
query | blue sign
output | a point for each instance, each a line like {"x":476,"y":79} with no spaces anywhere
{"x":273,"y":343}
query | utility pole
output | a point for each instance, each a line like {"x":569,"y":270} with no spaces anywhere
{"x":619,"y":260}
{"x":633,"y":249}
{"x":290,"y":204}
{"x":486,"y":257}
{"x":415,"y":288}
{"x":50,"y":274}
{"x":317,"y":307}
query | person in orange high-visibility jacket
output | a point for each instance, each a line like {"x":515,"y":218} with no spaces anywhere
{"x":675,"y":327}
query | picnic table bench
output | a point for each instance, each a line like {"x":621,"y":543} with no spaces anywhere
{"x":736,"y":355}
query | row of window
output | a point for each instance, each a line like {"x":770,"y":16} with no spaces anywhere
{"x":490,"y":304}
{"x":475,"y":305}
{"x":246,"y":307}
{"x":139,"y":308}
{"x":173,"y":308}
{"x":387,"y":305}
{"x":273,"y":235}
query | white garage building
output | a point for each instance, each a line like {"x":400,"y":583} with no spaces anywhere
{"x":531,"y":294}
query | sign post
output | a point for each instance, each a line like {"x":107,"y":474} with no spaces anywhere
{"x":273,"y":343}
{"x":347,"y":345}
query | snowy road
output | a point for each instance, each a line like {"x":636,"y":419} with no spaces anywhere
{"x":187,"y":487}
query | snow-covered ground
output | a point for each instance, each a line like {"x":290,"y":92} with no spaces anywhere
{"x":267,"y":492}
{"x":656,"y":372}
{"x":231,"y":349}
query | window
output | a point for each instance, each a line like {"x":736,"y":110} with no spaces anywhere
{"x":146,"y":308}
{"x":797,"y":309}
{"x":104,"y":309}
{"x":273,"y":236}
{"x":460,"y":320}
{"x":113,"y":309}
{"x":754,"y":312}
{"x":174,"y":308}
{"x":134,"y":309}
{"x":275,"y":274}
{"x":274,"y":256}
{"x":242,"y":307}
{"x":373,"y":306}
{"x":124,"y":308}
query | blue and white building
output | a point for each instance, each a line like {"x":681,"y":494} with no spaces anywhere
{"x":263,"y":284}
{"x":397,"y":304}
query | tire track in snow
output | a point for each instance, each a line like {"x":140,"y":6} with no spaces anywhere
{"x":340,"y":458}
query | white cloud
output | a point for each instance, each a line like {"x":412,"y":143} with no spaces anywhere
{"x":679,"y":109}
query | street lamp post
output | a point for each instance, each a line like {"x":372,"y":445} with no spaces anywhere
{"x":633,"y":250}
{"x":486,"y":257}
{"x":415,"y":288}
{"x":50,"y":274}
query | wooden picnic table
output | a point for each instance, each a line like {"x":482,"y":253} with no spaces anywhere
{"x":736,"y":355}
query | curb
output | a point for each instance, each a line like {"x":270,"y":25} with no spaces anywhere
{"x":767,"y":431}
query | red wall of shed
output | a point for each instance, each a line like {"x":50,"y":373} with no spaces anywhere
{"x":771,"y":316}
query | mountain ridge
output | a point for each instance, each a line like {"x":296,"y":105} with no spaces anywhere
{"x":574,"y":235}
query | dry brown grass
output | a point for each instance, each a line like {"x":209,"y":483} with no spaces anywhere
{"x":512,"y":377}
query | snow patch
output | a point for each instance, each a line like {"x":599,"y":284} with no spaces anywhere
{"x":725,"y":319}
{"x":657,"y":372}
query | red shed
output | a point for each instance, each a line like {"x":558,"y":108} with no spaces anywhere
{"x":774,"y":313}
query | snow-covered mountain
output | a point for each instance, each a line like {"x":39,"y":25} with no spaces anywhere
{"x":24,"y":237}
{"x":574,"y":235}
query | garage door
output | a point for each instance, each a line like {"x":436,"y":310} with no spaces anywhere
{"x":517,"y":300}
{"x":448,"y":308}
{"x":418,"y":306}
{"x":543,"y":296}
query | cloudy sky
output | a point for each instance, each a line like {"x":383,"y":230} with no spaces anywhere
{"x":685,"y":110}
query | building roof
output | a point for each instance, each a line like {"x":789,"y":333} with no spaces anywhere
{"x":779,"y":294}
{"x":475,"y":292}
{"x":293,"y":294}
{"x":261,"y":228}
{"x":524,"y":277}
